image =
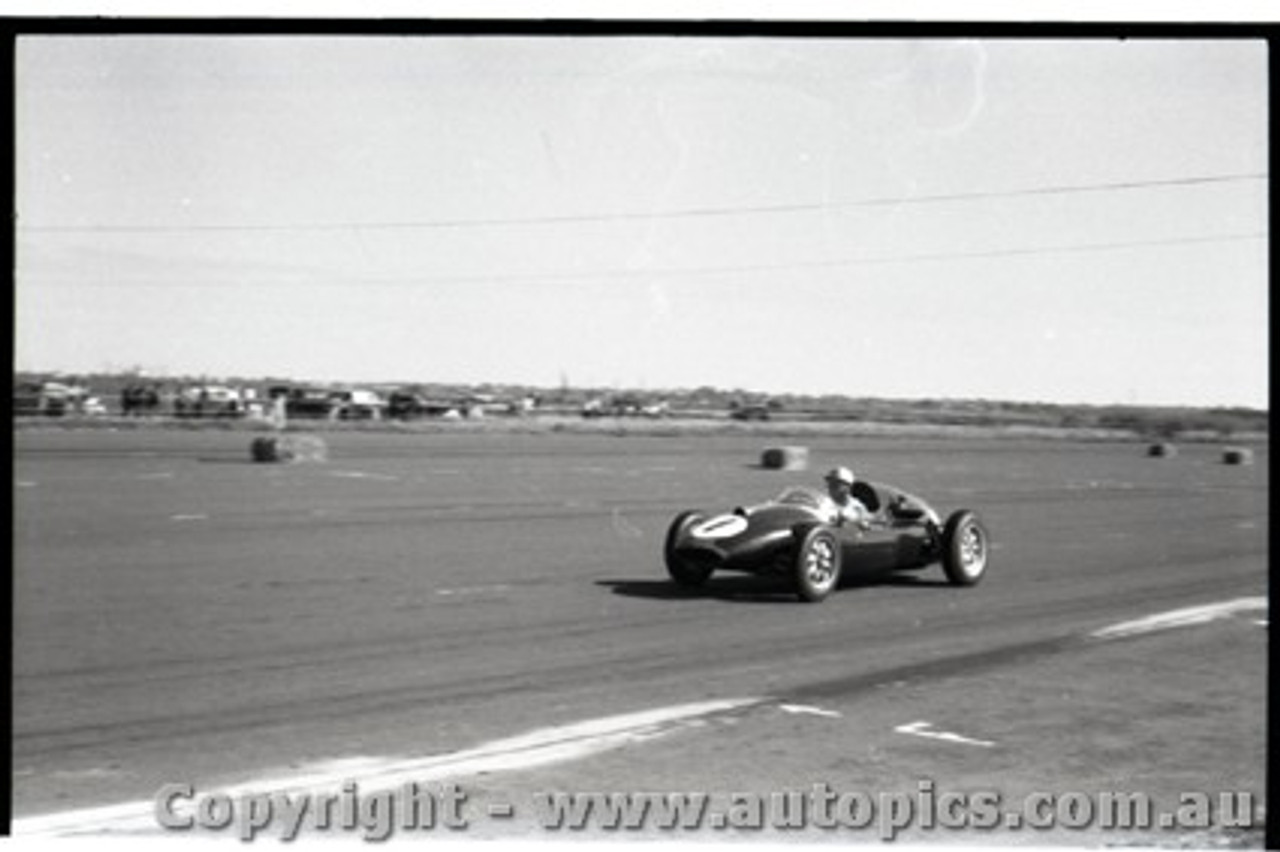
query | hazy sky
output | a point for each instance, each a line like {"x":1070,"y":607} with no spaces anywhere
{"x":1073,"y":221}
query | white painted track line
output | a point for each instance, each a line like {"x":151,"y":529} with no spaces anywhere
{"x":926,"y":730}
{"x":535,"y":748}
{"x":1187,"y":617}
{"x":809,"y":710}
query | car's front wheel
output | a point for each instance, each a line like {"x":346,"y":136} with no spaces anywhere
{"x":684,"y":571}
{"x":817,"y":566}
{"x":965,"y":548}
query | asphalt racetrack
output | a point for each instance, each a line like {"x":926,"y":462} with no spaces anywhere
{"x":183,"y":615}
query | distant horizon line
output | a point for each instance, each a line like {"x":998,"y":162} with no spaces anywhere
{"x":615,"y":389}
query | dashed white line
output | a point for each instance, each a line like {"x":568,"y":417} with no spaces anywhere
{"x":924,"y":729}
{"x":189,"y":517}
{"x":360,"y":474}
{"x":1186,"y":617}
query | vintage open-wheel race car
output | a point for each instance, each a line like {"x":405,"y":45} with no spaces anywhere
{"x":799,"y":534}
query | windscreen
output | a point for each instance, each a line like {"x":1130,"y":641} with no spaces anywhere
{"x":798,"y":495}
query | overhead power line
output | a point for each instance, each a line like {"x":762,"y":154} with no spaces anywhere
{"x":836,"y":263}
{"x":749,"y":269}
{"x":690,"y":213}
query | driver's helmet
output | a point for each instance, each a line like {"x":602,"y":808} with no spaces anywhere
{"x":840,"y":474}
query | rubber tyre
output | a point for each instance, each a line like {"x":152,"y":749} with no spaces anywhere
{"x":817,"y":565}
{"x":681,"y":570}
{"x":966,"y":547}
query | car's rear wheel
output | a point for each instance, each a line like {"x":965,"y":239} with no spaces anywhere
{"x":684,"y":571}
{"x":817,"y":565}
{"x":965,"y":548}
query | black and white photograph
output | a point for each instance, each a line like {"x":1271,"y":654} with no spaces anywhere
{"x":599,"y":431}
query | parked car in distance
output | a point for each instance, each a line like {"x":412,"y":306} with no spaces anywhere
{"x":49,"y":399}
{"x":358,"y":405}
{"x":407,"y":405}
{"x":750,"y":412}
{"x":207,"y":401}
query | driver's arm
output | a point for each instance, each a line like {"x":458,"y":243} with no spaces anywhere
{"x":856,"y":513}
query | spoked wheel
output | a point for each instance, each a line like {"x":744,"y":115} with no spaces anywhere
{"x":817,"y":567}
{"x":684,"y":571}
{"x":965,"y":548}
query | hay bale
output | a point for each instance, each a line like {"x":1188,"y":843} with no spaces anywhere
{"x":1162,"y":450}
{"x":1237,"y":455}
{"x":289,"y":448}
{"x":785,"y":458}
{"x":265,"y":449}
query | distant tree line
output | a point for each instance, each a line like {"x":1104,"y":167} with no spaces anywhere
{"x":1145,"y":421}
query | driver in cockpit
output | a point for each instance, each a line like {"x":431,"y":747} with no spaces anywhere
{"x":849,"y":509}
